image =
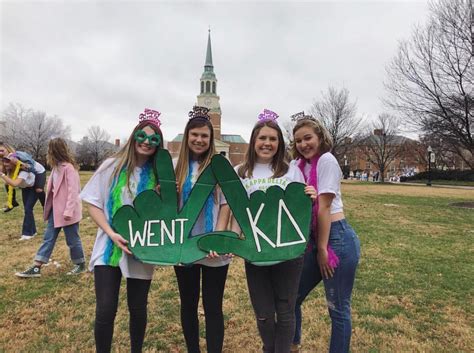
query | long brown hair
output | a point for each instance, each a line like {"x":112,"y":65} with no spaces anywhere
{"x":126,"y":156}
{"x":182,"y":167}
{"x":279,"y":164}
{"x":59,"y":152}
{"x":325,"y":138}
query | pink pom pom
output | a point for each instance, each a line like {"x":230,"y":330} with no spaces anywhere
{"x":332,"y":258}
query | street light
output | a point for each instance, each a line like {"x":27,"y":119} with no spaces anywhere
{"x":345,"y":167}
{"x":430,"y":151}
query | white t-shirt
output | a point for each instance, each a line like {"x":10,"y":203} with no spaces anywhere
{"x":39,"y":169}
{"x":28,"y":179}
{"x":96,"y":192}
{"x":329,"y":179}
{"x":200,"y":225}
{"x":262,"y":177}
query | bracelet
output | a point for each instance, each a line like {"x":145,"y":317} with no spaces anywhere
{"x":2,"y":174}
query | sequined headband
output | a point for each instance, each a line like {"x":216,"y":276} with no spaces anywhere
{"x":267,"y":115}
{"x":199,"y":113}
{"x":301,"y":116}
{"x":151,"y":116}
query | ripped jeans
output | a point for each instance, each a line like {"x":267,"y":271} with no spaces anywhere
{"x":338,"y":288}
{"x":273,"y":290}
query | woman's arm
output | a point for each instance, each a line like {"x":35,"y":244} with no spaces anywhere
{"x":15,"y":183}
{"x":223,"y":218}
{"x":324,"y":227}
{"x":99,"y":218}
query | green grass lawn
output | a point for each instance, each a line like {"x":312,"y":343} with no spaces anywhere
{"x":413,"y":290}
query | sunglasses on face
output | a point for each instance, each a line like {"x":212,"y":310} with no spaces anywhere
{"x":140,"y":136}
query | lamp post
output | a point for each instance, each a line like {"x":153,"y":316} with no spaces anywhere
{"x":345,"y":167}
{"x":430,"y":151}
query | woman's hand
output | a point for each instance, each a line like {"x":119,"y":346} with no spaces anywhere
{"x":323,"y":261}
{"x":213,"y":255}
{"x":311,"y":192}
{"x":120,"y":242}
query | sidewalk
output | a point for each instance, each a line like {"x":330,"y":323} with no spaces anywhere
{"x":411,"y":184}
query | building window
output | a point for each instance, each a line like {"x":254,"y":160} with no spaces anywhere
{"x":202,"y":86}
{"x":208,"y":86}
{"x":214,"y":87}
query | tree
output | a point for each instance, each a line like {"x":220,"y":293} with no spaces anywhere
{"x":430,"y":80}
{"x":338,"y":115}
{"x":94,"y":147}
{"x":30,"y":130}
{"x":380,"y":144}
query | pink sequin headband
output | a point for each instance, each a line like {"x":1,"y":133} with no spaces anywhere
{"x":267,"y":115}
{"x":150,"y":116}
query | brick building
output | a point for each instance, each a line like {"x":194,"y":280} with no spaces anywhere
{"x":233,"y":147}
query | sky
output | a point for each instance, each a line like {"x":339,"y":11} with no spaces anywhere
{"x":102,"y":62}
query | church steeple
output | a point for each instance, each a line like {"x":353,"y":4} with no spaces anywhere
{"x":208,"y":77}
{"x":208,"y":96}
{"x":208,"y":64}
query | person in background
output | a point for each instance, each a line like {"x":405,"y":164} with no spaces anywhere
{"x":15,"y":177}
{"x":5,"y":150}
{"x":63,"y":210}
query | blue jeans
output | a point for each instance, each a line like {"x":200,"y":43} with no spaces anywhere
{"x":29,"y":197}
{"x":338,"y":288}
{"x":72,"y":239}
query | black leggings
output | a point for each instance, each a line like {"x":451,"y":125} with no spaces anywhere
{"x":213,"y":283}
{"x":107,"y":286}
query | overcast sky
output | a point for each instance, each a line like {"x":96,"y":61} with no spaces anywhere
{"x":102,"y":62}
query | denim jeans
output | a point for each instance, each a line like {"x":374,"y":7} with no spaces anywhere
{"x":273,"y":290}
{"x":29,"y":197}
{"x":338,"y":288}
{"x":72,"y":239}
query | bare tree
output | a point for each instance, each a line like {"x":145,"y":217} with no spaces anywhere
{"x":380,"y":144}
{"x":430,"y":80}
{"x":31,"y":130}
{"x":339,"y":115}
{"x":94,"y":147}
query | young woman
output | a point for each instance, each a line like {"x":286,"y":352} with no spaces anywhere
{"x":15,"y":177}
{"x":272,"y":288}
{"x":196,"y":152}
{"x":63,"y":210}
{"x":334,"y":249}
{"x":5,"y":150}
{"x":116,"y":183}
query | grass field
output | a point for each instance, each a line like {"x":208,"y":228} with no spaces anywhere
{"x":413,"y":289}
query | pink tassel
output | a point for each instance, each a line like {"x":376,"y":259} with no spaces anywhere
{"x":313,"y":180}
{"x":333,"y":260}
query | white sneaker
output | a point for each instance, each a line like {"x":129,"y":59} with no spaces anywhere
{"x":27,"y":237}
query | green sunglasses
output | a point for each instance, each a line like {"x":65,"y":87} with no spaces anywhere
{"x":141,"y":136}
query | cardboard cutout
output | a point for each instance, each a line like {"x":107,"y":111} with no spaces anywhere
{"x":275,"y":223}
{"x":157,"y":232}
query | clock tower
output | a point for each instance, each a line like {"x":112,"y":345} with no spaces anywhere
{"x":208,"y":97}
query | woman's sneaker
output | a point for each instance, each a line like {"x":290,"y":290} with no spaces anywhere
{"x":33,"y":271}
{"x":27,"y":237}
{"x":78,"y":269}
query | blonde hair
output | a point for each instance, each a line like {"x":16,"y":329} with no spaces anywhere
{"x":59,"y":152}
{"x":9,"y":149}
{"x":182,"y":166}
{"x":126,"y":157}
{"x":325,"y":138}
